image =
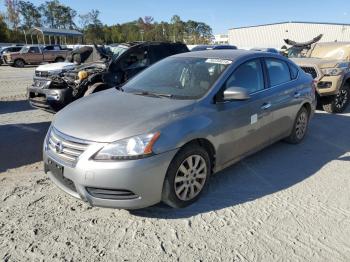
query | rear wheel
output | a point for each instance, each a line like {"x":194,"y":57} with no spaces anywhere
{"x":300,"y":127}
{"x":338,"y":102}
{"x":95,"y":88}
{"x":19,"y":63}
{"x":187,"y":176}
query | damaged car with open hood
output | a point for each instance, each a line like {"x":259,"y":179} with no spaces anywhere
{"x":57,"y":91}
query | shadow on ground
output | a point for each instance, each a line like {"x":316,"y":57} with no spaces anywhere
{"x":276,"y":168}
{"x":14,"y":106}
{"x":21,"y":144}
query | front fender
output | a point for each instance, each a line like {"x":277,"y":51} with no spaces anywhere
{"x":183,"y":130}
{"x":346,"y":78}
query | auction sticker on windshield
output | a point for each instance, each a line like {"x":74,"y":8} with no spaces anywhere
{"x":218,"y":61}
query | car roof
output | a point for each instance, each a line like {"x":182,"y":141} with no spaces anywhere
{"x":230,"y":54}
{"x":131,"y":44}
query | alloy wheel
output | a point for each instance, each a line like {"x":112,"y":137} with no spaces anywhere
{"x":301,"y":125}
{"x":341,"y":99}
{"x":190,"y":177}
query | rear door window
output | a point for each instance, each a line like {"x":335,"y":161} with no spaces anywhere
{"x":135,"y":59}
{"x":249,"y":76}
{"x":49,"y":48}
{"x":34,"y":49}
{"x":278,"y":71}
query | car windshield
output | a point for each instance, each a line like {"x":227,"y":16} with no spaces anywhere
{"x":297,"y":52}
{"x":118,"y":50}
{"x":25,"y":49}
{"x":178,"y":77}
{"x":331,"y":52}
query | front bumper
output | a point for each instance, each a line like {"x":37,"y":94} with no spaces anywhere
{"x":7,"y":61}
{"x":51,"y":100}
{"x":142,"y":179}
{"x":329,"y":85}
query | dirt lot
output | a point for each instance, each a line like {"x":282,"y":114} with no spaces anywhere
{"x":286,"y":203}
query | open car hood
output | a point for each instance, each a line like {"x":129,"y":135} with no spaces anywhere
{"x":319,"y":62}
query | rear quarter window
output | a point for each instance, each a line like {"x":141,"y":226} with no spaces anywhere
{"x":294,"y":71}
{"x":278,"y":71}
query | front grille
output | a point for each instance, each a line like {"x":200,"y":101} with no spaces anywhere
{"x":114,"y":194}
{"x":310,"y":70}
{"x":40,"y":83}
{"x":42,"y":73}
{"x":38,"y":99}
{"x":65,"y":148}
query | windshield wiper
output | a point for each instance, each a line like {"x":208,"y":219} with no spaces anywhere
{"x":145,"y":93}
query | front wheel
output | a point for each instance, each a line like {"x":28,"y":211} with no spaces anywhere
{"x":338,"y":102}
{"x":187,"y":176}
{"x":19,"y":63}
{"x":300,"y":127}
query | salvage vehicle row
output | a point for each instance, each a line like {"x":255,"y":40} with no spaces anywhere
{"x":52,"y":93}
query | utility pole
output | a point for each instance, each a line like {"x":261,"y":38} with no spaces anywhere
{"x":142,"y":32}
{"x":25,"y":36}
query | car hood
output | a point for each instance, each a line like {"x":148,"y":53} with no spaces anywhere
{"x":96,"y":64}
{"x":318,"y":62}
{"x":112,"y":115}
{"x":56,"y":66}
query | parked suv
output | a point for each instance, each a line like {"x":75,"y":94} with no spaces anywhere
{"x":56,"y":92}
{"x":162,"y":135}
{"x":36,"y":54}
{"x":8,"y":49}
{"x":329,"y":65}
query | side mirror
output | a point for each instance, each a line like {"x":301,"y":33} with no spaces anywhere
{"x":236,"y":93}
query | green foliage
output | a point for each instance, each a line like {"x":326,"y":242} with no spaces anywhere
{"x":24,"y":15}
{"x":4,"y":32}
{"x":30,"y":14}
{"x":57,"y":15}
{"x":12,"y":13}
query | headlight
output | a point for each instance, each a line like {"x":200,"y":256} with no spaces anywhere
{"x":129,"y":148}
{"x":341,"y":68}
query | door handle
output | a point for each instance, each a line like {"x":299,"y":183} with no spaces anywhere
{"x":297,"y":94}
{"x":266,"y":106}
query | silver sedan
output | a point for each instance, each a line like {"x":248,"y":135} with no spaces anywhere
{"x":161,"y":135}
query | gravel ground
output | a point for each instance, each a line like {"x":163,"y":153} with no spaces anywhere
{"x":285,"y":203}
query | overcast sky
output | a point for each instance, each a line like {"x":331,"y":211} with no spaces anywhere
{"x":220,"y":15}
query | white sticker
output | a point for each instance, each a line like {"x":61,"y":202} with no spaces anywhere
{"x":218,"y":61}
{"x":254,"y":119}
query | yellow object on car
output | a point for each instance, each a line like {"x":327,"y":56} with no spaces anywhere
{"x":82,"y":75}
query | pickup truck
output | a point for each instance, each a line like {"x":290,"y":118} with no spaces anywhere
{"x":36,"y":54}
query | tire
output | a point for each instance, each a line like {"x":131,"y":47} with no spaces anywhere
{"x":95,"y":88}
{"x":19,"y":63}
{"x":178,"y":194}
{"x":300,"y":127}
{"x":59,"y":59}
{"x":338,"y":102}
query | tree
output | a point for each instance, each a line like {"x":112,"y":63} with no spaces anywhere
{"x":30,"y":14}
{"x":178,"y":28}
{"x":91,"y":18}
{"x":13,"y":13}
{"x":57,"y":15}
{"x":4,"y":34}
{"x":93,"y":27}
